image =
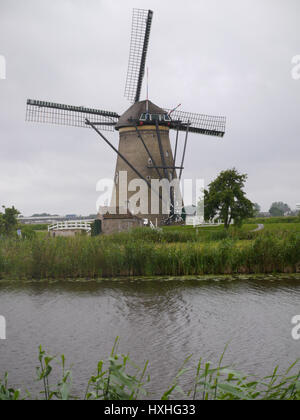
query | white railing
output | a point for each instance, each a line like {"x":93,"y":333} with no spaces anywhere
{"x":198,"y":221}
{"x":72,"y":225}
{"x":154,"y":227}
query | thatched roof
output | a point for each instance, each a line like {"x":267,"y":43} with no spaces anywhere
{"x":135,"y":112}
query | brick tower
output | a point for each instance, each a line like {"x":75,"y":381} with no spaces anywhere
{"x":139,"y":141}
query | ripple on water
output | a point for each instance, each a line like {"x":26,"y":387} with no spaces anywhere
{"x":163,"y":321}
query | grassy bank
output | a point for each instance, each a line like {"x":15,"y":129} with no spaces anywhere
{"x":119,"y":378}
{"x":148,"y":253}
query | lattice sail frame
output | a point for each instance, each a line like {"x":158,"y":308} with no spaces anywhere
{"x":140,"y":33}
{"x":75,"y":116}
{"x":200,"y":123}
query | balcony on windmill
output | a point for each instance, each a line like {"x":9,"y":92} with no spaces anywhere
{"x":147,"y":117}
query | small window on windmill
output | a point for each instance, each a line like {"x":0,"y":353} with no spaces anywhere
{"x":148,"y":177}
{"x":117,"y":178}
{"x":150,"y":161}
{"x":167,"y":153}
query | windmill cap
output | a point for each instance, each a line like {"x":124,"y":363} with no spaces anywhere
{"x":135,"y":112}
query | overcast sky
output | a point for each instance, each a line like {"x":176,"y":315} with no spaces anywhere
{"x":216,"y":57}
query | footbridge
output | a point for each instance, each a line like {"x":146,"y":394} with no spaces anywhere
{"x":85,"y":225}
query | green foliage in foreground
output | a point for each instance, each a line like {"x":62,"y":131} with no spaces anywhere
{"x":137,"y":255}
{"x":119,"y":378}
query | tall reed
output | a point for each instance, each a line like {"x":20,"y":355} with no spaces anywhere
{"x":85,"y":257}
{"x":118,"y":378}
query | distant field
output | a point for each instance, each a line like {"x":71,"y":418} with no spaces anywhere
{"x":183,"y":234}
{"x":184,"y":228}
{"x":248,"y":227}
{"x":35,"y":227}
{"x":269,"y":220}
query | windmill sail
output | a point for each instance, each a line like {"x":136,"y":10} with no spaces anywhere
{"x":144,"y":142}
{"x":53,"y":113}
{"x":200,"y":123}
{"x":140,"y":33}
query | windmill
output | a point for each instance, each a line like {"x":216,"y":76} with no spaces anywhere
{"x":144,"y":150}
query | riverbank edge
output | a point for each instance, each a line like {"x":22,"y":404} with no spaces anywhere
{"x":210,"y":277}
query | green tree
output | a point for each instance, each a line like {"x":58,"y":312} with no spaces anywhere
{"x":225,"y":198}
{"x":278,"y":208}
{"x":8,"y":220}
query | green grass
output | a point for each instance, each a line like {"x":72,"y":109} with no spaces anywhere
{"x":31,"y":231}
{"x":145,"y":252}
{"x":282,"y":227}
{"x":245,"y":232}
{"x":34,"y":227}
{"x":268,"y":220}
{"x":118,"y":378}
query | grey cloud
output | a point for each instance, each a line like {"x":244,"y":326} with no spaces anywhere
{"x":231,"y":58}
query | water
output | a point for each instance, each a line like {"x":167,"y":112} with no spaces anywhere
{"x":163,"y":321}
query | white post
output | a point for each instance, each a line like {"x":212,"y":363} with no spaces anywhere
{"x":2,"y":328}
{"x":2,"y":67}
